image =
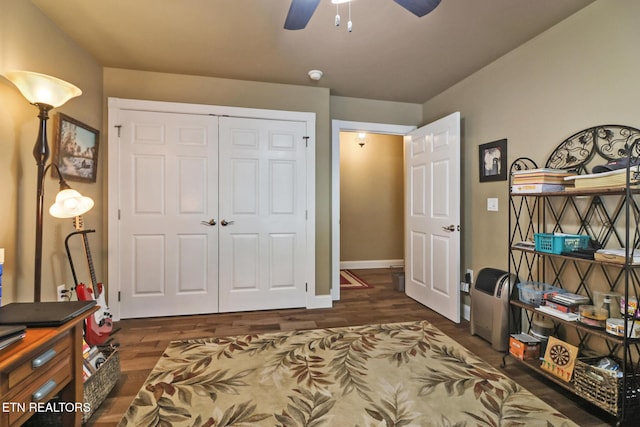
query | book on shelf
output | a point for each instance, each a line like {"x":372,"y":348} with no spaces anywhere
{"x":569,"y":299}
{"x":539,"y":179}
{"x":613,"y":179}
{"x":536,"y":188}
{"x":617,"y":255}
{"x":569,"y":317}
{"x":561,"y":307}
{"x":527,"y":245}
{"x":540,"y":176}
{"x":542,"y":171}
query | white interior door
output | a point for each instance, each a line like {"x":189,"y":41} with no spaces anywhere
{"x":432,"y":216}
{"x":262,"y":214}
{"x":168,"y":179}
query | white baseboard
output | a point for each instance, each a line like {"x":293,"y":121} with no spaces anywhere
{"x":320,"y":301}
{"x":381,"y":263}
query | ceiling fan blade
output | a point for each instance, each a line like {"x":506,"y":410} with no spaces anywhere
{"x":300,"y":13}
{"x":419,"y":7}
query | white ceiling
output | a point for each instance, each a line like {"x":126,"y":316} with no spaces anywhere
{"x":390,"y":55}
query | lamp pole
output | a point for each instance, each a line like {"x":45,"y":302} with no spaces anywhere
{"x":41,"y":154}
{"x":46,"y":92}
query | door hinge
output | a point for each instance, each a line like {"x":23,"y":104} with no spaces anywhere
{"x":118,"y":296}
{"x":306,"y":287}
{"x":306,"y":141}
{"x":119,"y":127}
{"x":306,"y":214}
{"x":118,"y":214}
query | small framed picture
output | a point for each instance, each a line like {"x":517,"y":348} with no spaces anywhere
{"x":493,"y":161}
{"x":75,"y":149}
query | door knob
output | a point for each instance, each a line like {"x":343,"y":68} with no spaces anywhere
{"x":449,"y":228}
{"x":224,"y":222}
{"x":210,"y":223}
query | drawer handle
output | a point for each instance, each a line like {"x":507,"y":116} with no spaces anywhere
{"x":47,"y":388}
{"x":43,"y":358}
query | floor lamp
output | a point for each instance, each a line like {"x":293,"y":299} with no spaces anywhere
{"x":46,"y":92}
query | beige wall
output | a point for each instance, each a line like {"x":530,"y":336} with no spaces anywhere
{"x":372,"y":111}
{"x":581,"y":73}
{"x":371,"y":198}
{"x":29,"y":41}
{"x":131,"y":84}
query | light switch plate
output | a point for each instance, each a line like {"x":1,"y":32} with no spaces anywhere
{"x":492,"y":204}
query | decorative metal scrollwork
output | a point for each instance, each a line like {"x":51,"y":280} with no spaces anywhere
{"x":521,"y":164}
{"x":611,"y":142}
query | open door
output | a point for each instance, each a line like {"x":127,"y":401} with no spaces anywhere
{"x":432,"y":216}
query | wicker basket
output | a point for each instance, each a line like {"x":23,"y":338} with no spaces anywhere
{"x":603,"y":387}
{"x":96,"y":389}
{"x":98,"y":385}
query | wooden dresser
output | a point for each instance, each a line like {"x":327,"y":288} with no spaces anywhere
{"x":47,"y":362}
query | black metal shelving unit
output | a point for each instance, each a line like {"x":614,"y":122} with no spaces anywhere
{"x":611,"y":218}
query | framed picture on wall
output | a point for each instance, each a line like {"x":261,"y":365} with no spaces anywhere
{"x":75,"y":149}
{"x":493,"y":161}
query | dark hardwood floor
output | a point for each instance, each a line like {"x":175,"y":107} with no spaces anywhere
{"x":142,"y":342}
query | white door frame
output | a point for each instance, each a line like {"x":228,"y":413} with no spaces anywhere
{"x":117,"y":104}
{"x":338,"y":126}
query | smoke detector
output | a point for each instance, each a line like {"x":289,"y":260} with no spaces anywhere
{"x":315,"y":75}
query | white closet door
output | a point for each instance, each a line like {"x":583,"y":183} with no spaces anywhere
{"x":262,"y":202}
{"x":168,"y":192}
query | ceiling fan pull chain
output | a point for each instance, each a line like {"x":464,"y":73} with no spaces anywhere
{"x":337,"y":15}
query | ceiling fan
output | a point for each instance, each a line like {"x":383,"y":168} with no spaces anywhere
{"x":300,"y":11}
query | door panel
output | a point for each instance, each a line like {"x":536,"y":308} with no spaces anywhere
{"x":432,"y":253}
{"x":168,"y":186}
{"x":174,"y":177}
{"x":148,"y":253}
{"x":262,"y":195}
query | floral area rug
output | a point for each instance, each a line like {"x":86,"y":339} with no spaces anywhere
{"x":401,"y":374}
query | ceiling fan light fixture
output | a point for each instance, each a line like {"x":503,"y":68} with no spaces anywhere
{"x":300,"y":11}
{"x":315,"y":75}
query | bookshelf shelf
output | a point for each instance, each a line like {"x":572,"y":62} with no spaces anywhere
{"x":611,"y":219}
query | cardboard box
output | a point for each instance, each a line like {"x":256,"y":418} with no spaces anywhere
{"x":524,"y":346}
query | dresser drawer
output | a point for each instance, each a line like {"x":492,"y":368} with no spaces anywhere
{"x":45,"y":385}
{"x":40,"y":363}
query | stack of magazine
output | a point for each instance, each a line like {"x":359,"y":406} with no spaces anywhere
{"x":93,"y":358}
{"x":612,"y":179}
{"x":617,"y":255}
{"x":564,"y":305}
{"x":539,"y":180}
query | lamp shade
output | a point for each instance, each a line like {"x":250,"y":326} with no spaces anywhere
{"x":70,"y":203}
{"x":42,"y":89}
